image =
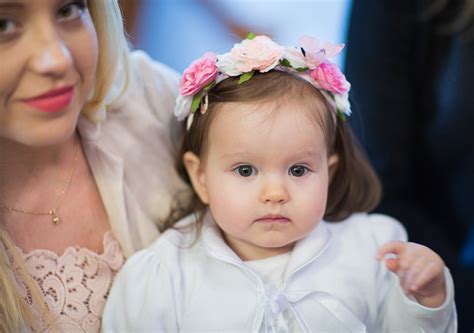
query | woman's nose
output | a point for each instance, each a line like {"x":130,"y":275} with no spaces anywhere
{"x":51,"y":56}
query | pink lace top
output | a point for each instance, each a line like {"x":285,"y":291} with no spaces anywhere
{"x":75,"y":285}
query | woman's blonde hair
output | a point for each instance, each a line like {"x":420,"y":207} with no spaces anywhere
{"x":112,"y":75}
{"x":15,"y":314}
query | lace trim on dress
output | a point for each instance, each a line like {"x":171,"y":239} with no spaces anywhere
{"x":75,"y":285}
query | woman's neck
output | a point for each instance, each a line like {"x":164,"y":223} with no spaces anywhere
{"x":30,"y":168}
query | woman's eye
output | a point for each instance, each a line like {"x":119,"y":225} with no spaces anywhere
{"x":245,"y":170}
{"x":8,"y":27}
{"x":71,"y":11}
{"x":298,"y":170}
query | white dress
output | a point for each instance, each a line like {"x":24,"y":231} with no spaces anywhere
{"x":332,"y":283}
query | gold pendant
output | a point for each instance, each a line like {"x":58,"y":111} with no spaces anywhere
{"x":55,"y":217}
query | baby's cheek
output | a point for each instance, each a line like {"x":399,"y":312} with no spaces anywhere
{"x":310,"y":213}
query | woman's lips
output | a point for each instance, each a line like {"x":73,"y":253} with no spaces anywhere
{"x":53,"y":100}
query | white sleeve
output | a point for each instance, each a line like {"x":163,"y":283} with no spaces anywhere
{"x":142,"y":298}
{"x":160,"y":86}
{"x":397,"y":312}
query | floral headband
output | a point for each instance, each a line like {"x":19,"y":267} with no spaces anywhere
{"x":260,"y":53}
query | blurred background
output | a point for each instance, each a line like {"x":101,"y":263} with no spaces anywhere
{"x":411,"y":66}
{"x":178,"y":31}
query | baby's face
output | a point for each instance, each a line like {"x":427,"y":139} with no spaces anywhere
{"x":266,"y":173}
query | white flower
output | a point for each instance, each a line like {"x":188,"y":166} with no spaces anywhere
{"x":260,"y":53}
{"x":295,"y":57}
{"x":183,"y":107}
{"x":342,"y":103}
{"x":227,"y":64}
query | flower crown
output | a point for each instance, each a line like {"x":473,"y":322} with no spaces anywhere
{"x":260,"y":53}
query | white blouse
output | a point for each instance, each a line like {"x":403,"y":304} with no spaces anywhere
{"x":332,"y":283}
{"x":131,"y":150}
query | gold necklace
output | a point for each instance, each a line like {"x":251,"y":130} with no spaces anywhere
{"x":53,"y":212}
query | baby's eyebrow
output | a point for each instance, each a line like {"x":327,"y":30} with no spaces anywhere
{"x":238,"y":154}
{"x":11,"y":9}
{"x":307,"y":153}
{"x":296,"y":156}
{"x":8,"y":4}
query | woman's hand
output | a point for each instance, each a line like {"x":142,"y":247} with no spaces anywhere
{"x":420,"y":270}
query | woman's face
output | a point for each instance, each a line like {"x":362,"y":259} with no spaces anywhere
{"x":48,"y":60}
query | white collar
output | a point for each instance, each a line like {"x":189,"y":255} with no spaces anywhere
{"x":305,"y":250}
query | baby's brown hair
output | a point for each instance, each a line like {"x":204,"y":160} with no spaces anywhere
{"x":354,"y":186}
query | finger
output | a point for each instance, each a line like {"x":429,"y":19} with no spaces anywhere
{"x":401,"y":267}
{"x":402,"y":272}
{"x":413,"y":272}
{"x":431,"y":271}
{"x":392,"y":264}
{"x":395,"y":247}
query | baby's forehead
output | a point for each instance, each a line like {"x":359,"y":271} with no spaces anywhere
{"x":307,"y":109}
{"x":265,"y":135}
{"x":264,"y":121}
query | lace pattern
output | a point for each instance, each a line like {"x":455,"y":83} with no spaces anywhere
{"x":75,"y":285}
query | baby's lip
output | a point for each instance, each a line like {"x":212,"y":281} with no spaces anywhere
{"x":273,"y":218}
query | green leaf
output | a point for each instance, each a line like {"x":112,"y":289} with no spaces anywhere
{"x":302,"y":69}
{"x":285,"y":62}
{"x":196,"y":102}
{"x":209,"y":86}
{"x":250,"y":35}
{"x":341,"y":115}
{"x":245,"y":77}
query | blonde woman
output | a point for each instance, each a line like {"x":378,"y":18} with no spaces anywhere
{"x":87,"y":144}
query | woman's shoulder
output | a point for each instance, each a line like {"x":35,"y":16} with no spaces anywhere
{"x":152,"y":72}
{"x":150,"y":91}
{"x":149,"y":100}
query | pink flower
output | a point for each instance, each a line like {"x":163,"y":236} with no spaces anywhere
{"x":260,"y":53}
{"x":297,"y":60}
{"x":199,"y":74}
{"x":315,"y":52}
{"x":330,"y":78}
{"x":312,"y":45}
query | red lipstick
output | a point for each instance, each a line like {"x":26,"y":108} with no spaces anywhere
{"x":52,"y":101}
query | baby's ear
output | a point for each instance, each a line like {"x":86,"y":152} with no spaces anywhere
{"x":195,"y":171}
{"x":333,"y":162}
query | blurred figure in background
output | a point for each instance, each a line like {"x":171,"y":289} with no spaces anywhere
{"x":418,"y":133}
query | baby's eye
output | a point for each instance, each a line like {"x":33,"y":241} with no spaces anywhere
{"x":7,"y":27}
{"x":71,"y":11}
{"x":298,"y":170}
{"x":245,"y":170}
